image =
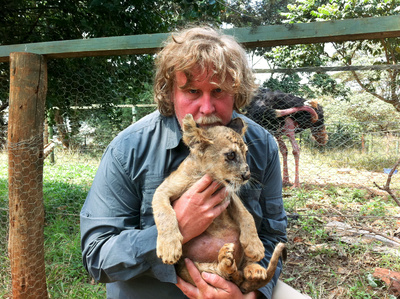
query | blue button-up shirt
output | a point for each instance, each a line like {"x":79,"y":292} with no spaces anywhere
{"x":118,"y":234}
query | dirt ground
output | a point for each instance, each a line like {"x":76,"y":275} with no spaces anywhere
{"x":334,"y":263}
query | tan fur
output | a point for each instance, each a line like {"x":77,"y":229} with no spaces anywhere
{"x":232,"y":242}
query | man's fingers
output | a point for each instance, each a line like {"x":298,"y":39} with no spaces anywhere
{"x":218,"y":189}
{"x":196,"y":275}
{"x":206,"y":184}
{"x":202,"y":184}
{"x":208,"y":188}
{"x":218,"y":209}
{"x":186,"y":287}
{"x":208,"y":285}
{"x":194,"y":272}
{"x":215,"y":281}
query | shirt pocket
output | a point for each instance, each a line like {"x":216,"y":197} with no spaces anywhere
{"x":146,"y":209}
{"x":275,"y":217}
{"x":274,"y":207}
{"x":250,"y":197}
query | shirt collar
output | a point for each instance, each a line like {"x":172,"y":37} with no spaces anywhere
{"x":173,"y":131}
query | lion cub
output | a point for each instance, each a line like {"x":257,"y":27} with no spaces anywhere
{"x":220,"y":152}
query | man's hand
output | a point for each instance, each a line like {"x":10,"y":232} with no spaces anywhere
{"x":197,"y":208}
{"x":209,"y":286}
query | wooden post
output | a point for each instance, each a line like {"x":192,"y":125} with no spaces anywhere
{"x":28,"y":87}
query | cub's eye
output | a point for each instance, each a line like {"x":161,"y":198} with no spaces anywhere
{"x":231,"y":155}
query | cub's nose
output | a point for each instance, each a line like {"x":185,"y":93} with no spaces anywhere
{"x":246,"y":174}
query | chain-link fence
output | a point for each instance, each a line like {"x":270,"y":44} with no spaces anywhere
{"x":363,"y":136}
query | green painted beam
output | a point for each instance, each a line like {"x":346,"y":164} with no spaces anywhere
{"x":316,"y":32}
{"x":273,"y":35}
{"x":120,"y":45}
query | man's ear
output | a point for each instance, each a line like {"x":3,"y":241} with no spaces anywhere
{"x":193,"y":136}
{"x":238,"y":125}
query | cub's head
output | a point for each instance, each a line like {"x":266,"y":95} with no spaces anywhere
{"x":219,"y":151}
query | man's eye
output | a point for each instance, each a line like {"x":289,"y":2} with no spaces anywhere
{"x":231,"y":155}
{"x":218,"y":90}
{"x":193,"y":91}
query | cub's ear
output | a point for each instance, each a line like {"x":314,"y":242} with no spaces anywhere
{"x":188,"y":123}
{"x":238,"y":125}
{"x":194,"y":136}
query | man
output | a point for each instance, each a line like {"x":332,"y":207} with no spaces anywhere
{"x":206,"y":74}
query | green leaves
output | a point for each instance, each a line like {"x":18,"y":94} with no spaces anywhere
{"x":312,"y":10}
{"x":380,"y":84}
{"x":103,"y":81}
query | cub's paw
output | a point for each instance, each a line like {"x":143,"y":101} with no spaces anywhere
{"x":254,"y":272}
{"x":255,"y":250}
{"x":226,"y":261}
{"x":169,"y":250}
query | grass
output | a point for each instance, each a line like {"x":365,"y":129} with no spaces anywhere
{"x":65,"y":186}
{"x":373,"y":161}
{"x":319,"y":264}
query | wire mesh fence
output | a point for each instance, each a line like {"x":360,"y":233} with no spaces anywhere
{"x":357,"y":153}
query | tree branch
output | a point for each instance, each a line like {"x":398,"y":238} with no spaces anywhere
{"x":362,"y":85}
{"x":3,"y":106}
{"x":387,"y":186}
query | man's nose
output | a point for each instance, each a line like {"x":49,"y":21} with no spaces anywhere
{"x":207,"y":106}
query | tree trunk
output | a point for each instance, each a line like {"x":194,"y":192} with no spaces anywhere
{"x":28,"y":87}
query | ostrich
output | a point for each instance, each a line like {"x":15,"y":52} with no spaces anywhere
{"x":285,"y":114}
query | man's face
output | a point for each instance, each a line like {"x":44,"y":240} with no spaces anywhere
{"x":203,"y":98}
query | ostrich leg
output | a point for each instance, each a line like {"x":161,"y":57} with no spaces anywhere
{"x":284,"y":152}
{"x":289,"y":131}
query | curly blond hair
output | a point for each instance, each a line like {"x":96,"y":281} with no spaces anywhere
{"x":203,"y":47}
